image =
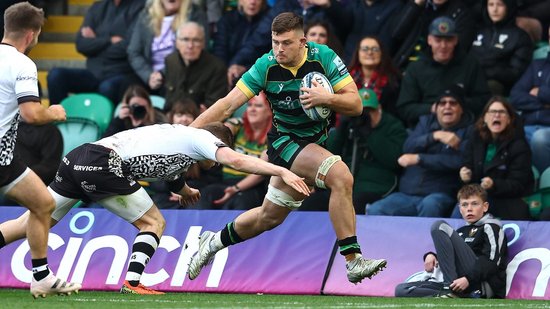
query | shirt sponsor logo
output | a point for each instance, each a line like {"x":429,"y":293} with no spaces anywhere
{"x":87,"y":187}
{"x":22,"y":78}
{"x":86,"y":168}
{"x":66,"y":161}
{"x":342,"y":69}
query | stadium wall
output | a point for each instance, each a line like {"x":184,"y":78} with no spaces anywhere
{"x":92,"y":246}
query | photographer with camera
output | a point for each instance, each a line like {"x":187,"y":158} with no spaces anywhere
{"x":136,"y":111}
{"x":370,"y":145}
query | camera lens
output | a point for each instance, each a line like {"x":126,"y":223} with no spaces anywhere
{"x":138,"y":111}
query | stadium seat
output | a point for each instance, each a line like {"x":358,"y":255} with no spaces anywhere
{"x":77,"y":131}
{"x":91,"y":106}
{"x":541,"y":52}
{"x":544,"y":183}
{"x":157,"y":101}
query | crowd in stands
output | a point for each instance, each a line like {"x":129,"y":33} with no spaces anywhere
{"x":450,"y":90}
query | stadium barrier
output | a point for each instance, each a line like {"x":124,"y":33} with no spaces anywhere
{"x":92,"y":246}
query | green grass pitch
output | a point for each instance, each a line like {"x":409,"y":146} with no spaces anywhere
{"x":19,"y":299}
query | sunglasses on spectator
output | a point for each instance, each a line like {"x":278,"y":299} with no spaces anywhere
{"x":447,"y":101}
{"x":366,"y":49}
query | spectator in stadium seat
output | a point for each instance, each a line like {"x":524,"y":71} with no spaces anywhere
{"x":154,"y":37}
{"x":320,"y":31}
{"x":371,"y":67}
{"x":259,"y":42}
{"x":136,"y":110}
{"x":355,"y":19}
{"x":238,"y":190}
{"x":503,"y":49}
{"x":472,"y":258}
{"x":103,"y":38}
{"x":19,"y":99}
{"x":107,"y":172}
{"x":531,"y":96}
{"x":235,"y":27}
{"x":498,"y":157}
{"x":191,"y":71}
{"x":432,"y":157}
{"x":441,"y":65}
{"x":370,"y":145}
{"x":411,"y":27}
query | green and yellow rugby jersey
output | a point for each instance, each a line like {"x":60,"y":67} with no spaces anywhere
{"x":244,"y":146}
{"x":282,"y":84}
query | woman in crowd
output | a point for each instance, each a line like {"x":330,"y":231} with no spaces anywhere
{"x":154,"y":37}
{"x":239,"y":190}
{"x":498,"y":157}
{"x":503,"y":49}
{"x":371,"y":67}
{"x":319,"y":31}
{"x":136,"y":110}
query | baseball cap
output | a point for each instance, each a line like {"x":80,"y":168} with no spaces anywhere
{"x":368,"y":98}
{"x":443,"y":26}
{"x":454,"y":91}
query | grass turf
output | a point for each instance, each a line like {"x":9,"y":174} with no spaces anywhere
{"x":11,"y":298}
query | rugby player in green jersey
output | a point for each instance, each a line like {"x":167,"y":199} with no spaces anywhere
{"x":295,"y":142}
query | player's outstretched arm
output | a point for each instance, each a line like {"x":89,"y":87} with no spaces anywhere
{"x":34,"y":113}
{"x":222,"y":109}
{"x":253,"y":165}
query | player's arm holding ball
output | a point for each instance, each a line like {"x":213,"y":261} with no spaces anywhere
{"x":346,"y":101}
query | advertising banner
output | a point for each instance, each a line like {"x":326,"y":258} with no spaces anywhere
{"x":403,"y":241}
{"x":92,"y":246}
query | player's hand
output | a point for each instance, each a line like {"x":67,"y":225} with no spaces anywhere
{"x":487,"y":183}
{"x":534,"y":91}
{"x":430,"y":263}
{"x":465,"y":174}
{"x":460,"y":285}
{"x":296,"y":182}
{"x":316,"y":95}
{"x":87,"y":32}
{"x":408,"y":159}
{"x":58,"y":112}
{"x":189,"y":196}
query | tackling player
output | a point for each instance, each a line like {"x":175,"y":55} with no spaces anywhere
{"x":107,"y":171}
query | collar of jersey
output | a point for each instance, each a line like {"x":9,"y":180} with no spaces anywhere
{"x":294,"y":69}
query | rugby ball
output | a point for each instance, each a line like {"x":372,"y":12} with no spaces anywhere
{"x":318,"y":112}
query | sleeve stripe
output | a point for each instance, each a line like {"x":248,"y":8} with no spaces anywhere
{"x":28,"y":98}
{"x":341,"y":84}
{"x":244,"y":88}
{"x":491,"y":236}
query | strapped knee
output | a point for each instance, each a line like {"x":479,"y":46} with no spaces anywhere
{"x":281,"y":198}
{"x":323,"y":170}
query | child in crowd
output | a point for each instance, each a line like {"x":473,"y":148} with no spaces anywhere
{"x":472,"y":258}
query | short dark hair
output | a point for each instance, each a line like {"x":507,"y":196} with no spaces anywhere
{"x":472,"y":189}
{"x":21,"y":17}
{"x":286,"y":22}
{"x":183,"y":106}
{"x":220,"y":131}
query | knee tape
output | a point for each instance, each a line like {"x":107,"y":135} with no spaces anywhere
{"x":323,"y":170}
{"x":281,"y":198}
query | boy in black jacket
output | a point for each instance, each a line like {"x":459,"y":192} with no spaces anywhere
{"x":472,"y":259}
